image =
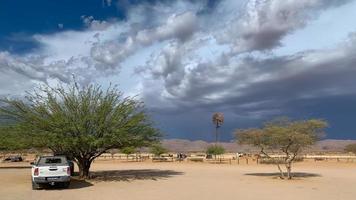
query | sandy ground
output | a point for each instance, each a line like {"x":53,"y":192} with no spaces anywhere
{"x":132,"y":181}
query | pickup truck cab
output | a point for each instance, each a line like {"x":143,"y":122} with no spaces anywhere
{"x":50,"y":170}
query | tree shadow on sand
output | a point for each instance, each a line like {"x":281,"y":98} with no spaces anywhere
{"x":77,"y":184}
{"x":294,"y":174}
{"x":74,"y":184}
{"x":131,"y":175}
{"x":116,"y":175}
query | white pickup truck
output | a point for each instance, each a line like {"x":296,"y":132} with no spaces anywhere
{"x":50,"y":170}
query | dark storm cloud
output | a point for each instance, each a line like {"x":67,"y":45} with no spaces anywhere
{"x":338,"y":110}
{"x":265,"y":86}
{"x":310,"y":84}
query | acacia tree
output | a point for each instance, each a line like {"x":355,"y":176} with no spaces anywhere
{"x":81,"y":122}
{"x":351,"y":148}
{"x":283,"y":136}
{"x":218,"y":120}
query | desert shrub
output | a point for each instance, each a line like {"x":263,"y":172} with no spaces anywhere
{"x":158,"y":150}
{"x":215,"y":150}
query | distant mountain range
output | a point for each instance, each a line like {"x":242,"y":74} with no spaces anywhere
{"x":181,"y":145}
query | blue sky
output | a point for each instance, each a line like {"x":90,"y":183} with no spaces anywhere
{"x":252,"y":59}
{"x":25,"y":18}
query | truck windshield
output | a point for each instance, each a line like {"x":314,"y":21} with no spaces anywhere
{"x":52,"y":161}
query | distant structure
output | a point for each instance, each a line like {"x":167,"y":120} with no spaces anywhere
{"x":218,"y":120}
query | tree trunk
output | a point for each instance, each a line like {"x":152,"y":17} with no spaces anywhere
{"x":84,"y":166}
{"x":280,"y":171}
{"x":289,"y":170}
{"x":216,"y":134}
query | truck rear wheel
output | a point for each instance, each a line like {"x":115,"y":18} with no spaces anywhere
{"x":35,"y":186}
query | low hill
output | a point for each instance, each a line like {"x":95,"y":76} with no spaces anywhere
{"x":181,"y":145}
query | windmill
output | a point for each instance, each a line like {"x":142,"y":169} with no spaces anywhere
{"x":218,"y":120}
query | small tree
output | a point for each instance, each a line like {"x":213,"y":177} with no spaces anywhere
{"x":81,"y":122}
{"x":158,"y":150}
{"x":215,"y":150}
{"x":283,"y":136}
{"x":128,"y":151}
{"x":351,"y":148}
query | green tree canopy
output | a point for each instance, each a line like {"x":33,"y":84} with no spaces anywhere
{"x":215,"y":150}
{"x":283,"y":136}
{"x":81,"y":122}
{"x":11,"y":139}
{"x":128,"y":150}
